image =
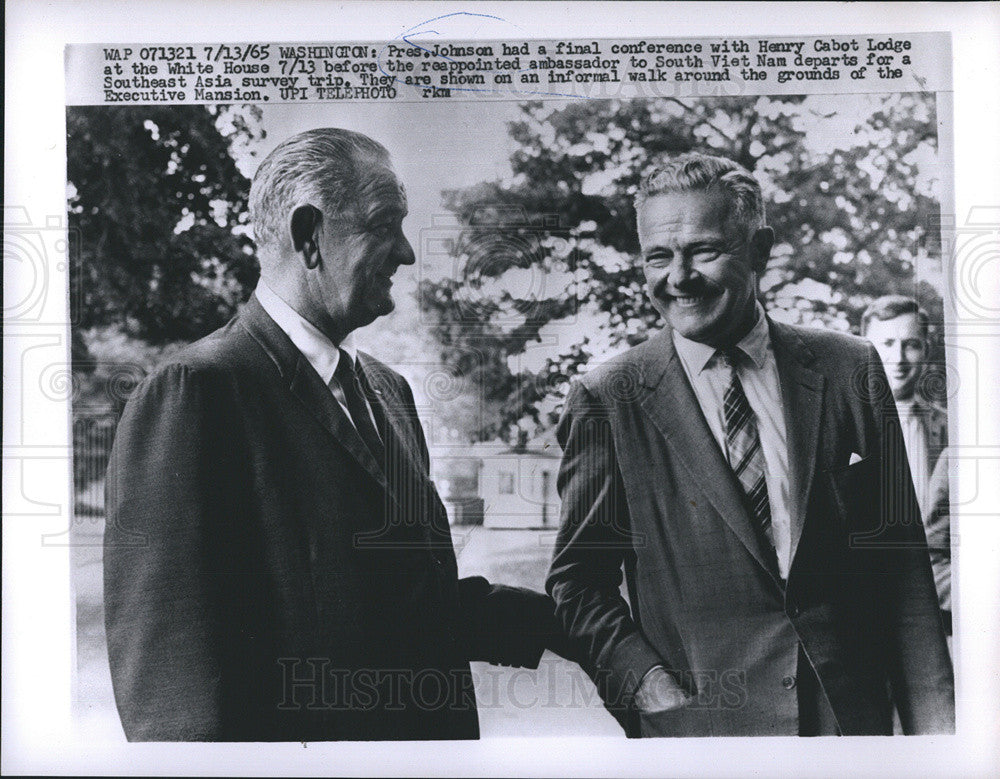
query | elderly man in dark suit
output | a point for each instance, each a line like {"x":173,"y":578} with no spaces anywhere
{"x":278,"y":564}
{"x":750,"y":479}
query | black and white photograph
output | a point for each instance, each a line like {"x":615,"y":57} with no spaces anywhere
{"x":574,"y":292}
{"x":508,"y":388}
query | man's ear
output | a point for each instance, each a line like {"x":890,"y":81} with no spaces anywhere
{"x":303,"y":225}
{"x":760,"y":248}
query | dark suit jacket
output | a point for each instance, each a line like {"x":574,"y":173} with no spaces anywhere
{"x":644,"y":483}
{"x":266,"y":579}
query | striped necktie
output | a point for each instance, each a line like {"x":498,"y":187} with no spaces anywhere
{"x":746,"y":457}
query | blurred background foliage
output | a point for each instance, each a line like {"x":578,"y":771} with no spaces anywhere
{"x":546,"y":283}
{"x":160,"y":207}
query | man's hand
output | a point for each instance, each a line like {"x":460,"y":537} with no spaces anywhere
{"x":510,"y":625}
{"x":659,"y":691}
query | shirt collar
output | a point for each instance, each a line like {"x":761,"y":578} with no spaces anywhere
{"x":319,"y":350}
{"x":913,"y":406}
{"x":754,"y":345}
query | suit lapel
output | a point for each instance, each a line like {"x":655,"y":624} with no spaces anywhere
{"x":405,"y":467}
{"x":309,"y":388}
{"x":802,"y":393}
{"x":306,"y":385}
{"x":674,"y":409}
{"x":387,"y":405}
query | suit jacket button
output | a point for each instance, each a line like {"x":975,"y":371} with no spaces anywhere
{"x":793,"y":609}
{"x":788,"y":682}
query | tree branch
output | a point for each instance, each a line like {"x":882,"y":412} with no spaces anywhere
{"x":690,"y":110}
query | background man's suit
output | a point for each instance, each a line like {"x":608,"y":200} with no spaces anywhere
{"x":933,"y":494}
{"x":643,"y":483}
{"x":266,"y":579}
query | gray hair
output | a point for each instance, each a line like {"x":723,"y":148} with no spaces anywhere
{"x":695,"y":171}
{"x":321,"y":166}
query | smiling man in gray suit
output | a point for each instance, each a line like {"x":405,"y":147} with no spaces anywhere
{"x":747,"y":476}
{"x":278,"y":564}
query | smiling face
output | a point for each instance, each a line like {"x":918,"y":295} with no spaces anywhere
{"x":901,"y":345}
{"x":700,"y":266}
{"x":359,"y":251}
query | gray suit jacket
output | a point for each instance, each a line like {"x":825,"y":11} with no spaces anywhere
{"x":937,"y":517}
{"x":644,"y":485}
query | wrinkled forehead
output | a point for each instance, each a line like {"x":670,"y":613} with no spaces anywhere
{"x":683,"y":212}
{"x":379,"y":190}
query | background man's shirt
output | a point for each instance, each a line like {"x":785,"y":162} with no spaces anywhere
{"x":913,"y":420}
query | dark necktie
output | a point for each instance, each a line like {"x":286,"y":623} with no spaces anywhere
{"x":746,"y":457}
{"x":354,"y":395}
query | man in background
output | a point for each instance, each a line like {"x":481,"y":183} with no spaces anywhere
{"x":898,"y":328}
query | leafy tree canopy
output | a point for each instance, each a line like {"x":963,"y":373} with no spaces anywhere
{"x":549,"y":286}
{"x":159,"y":206}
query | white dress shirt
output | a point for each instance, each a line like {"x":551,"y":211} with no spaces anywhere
{"x":322,"y":353}
{"x":912,"y":426}
{"x":709,"y":378}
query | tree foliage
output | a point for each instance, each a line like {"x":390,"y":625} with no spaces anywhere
{"x":159,"y":206}
{"x":548,"y":284}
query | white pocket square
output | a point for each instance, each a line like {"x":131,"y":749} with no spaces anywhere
{"x":855,"y":458}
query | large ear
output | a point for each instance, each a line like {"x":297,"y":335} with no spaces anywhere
{"x":760,"y":248}
{"x":303,"y":225}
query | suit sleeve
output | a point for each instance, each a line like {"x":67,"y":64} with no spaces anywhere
{"x":919,"y":665}
{"x":499,"y":624}
{"x":162,"y":564}
{"x":937,"y":525}
{"x":586,"y":572}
